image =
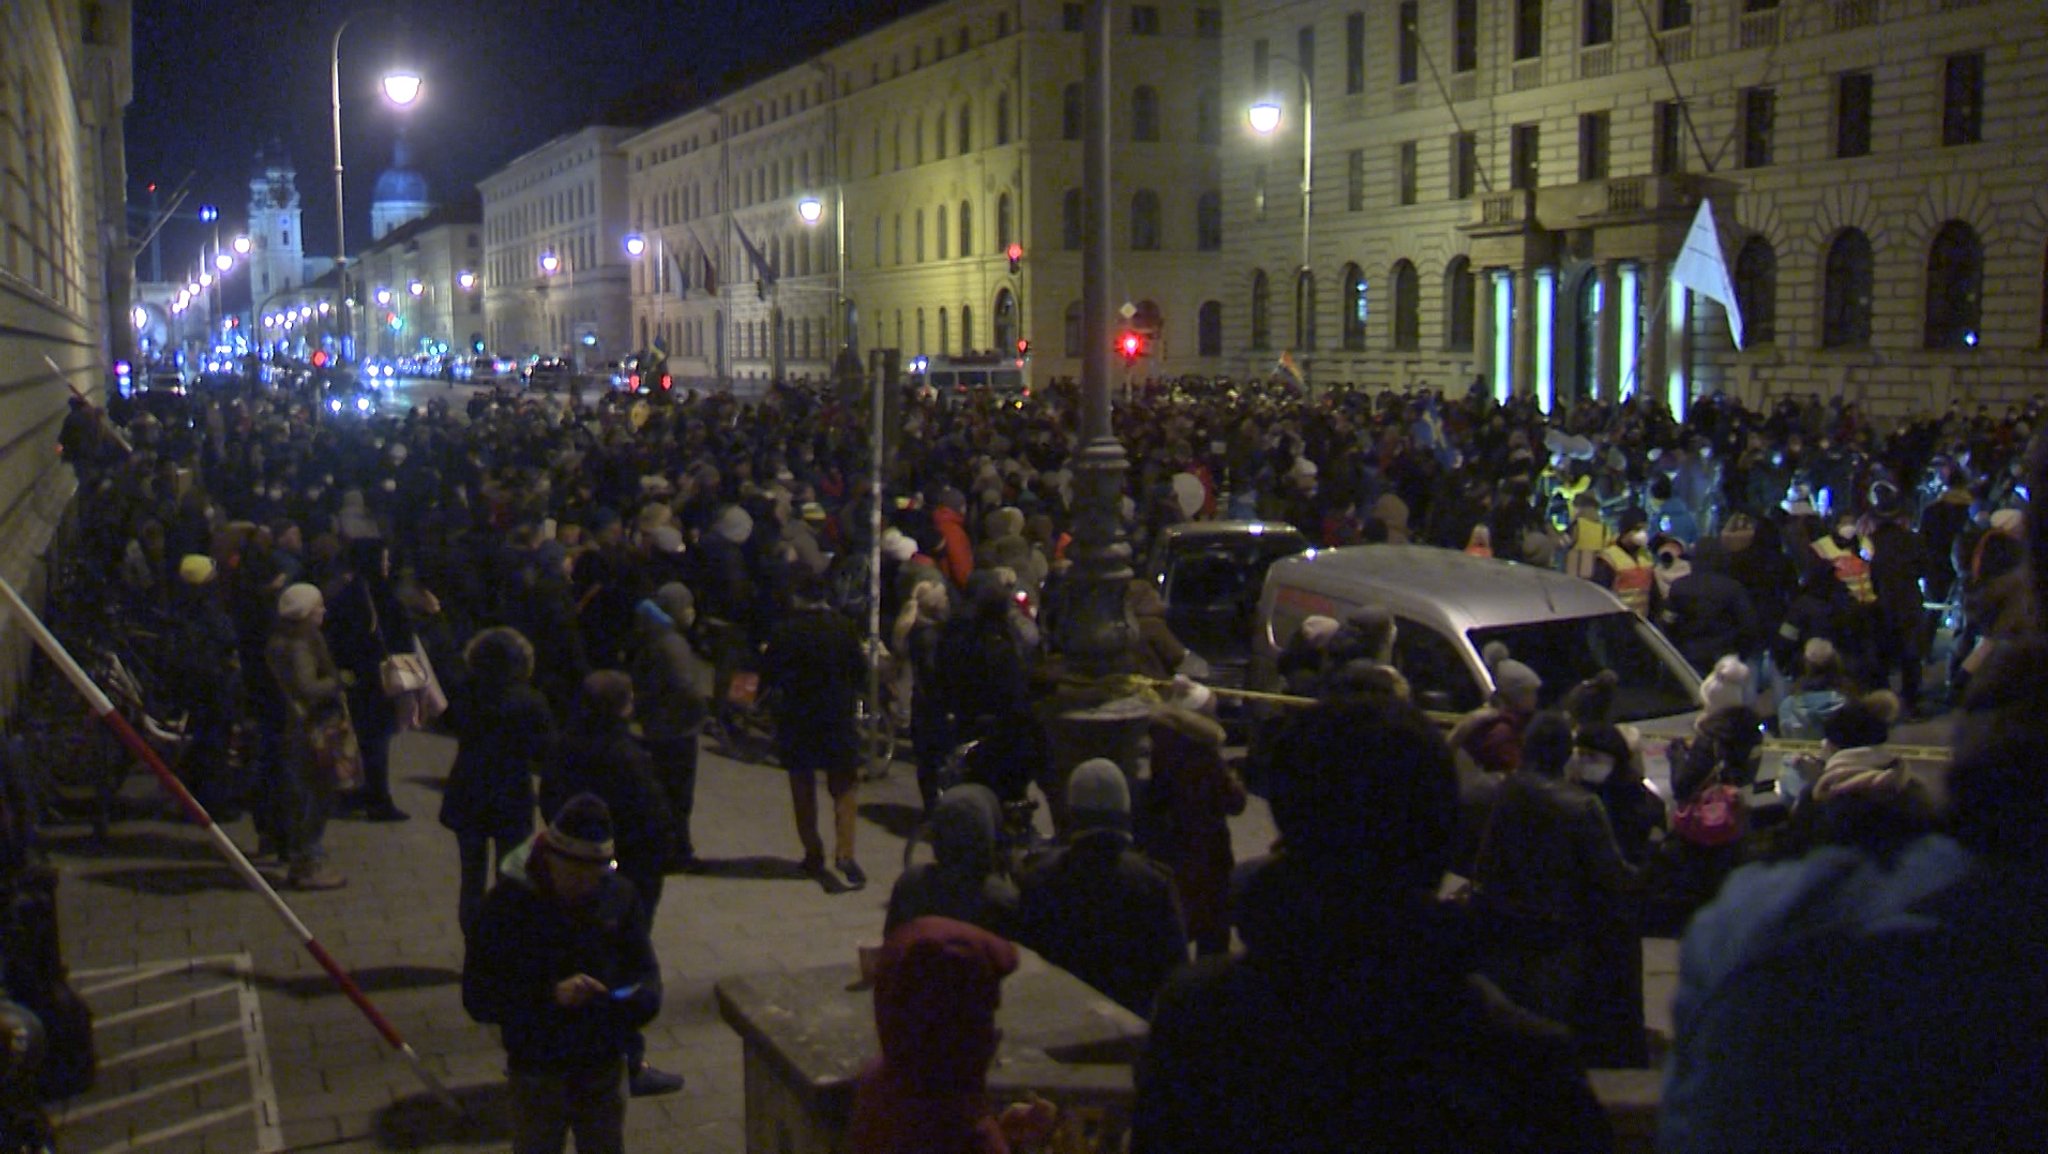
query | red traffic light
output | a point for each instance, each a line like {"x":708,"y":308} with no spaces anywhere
{"x":1130,"y":345}
{"x":319,"y":358}
{"x":1023,"y":347}
{"x":1016,"y":254}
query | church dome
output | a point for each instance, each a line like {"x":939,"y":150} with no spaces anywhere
{"x":401,"y":183}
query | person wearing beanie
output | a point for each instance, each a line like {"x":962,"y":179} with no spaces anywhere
{"x":1098,"y":908}
{"x":1492,"y":734}
{"x":504,"y":738}
{"x":669,"y":683}
{"x":1354,"y":1009}
{"x":817,"y":666}
{"x":967,"y":881}
{"x":949,"y":519}
{"x":1899,"y":564}
{"x":1725,"y":685}
{"x":562,"y":963}
{"x":938,"y":985}
{"x":304,"y":670}
{"x":1554,"y":884}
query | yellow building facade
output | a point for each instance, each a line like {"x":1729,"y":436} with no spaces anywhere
{"x":554,"y":272}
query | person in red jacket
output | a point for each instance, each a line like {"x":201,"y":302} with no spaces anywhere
{"x":957,"y":561}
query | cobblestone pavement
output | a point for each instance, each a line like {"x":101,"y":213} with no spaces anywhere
{"x":254,"y":1050}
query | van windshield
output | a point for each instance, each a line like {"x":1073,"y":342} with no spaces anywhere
{"x":1653,"y":683}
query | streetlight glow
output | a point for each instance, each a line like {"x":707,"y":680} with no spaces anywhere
{"x":635,"y":245}
{"x":466,"y":279}
{"x":549,"y":262}
{"x":205,"y":280}
{"x":1264,"y":117}
{"x":402,"y":87}
{"x":811,"y":209}
{"x":241,"y":245}
{"x":141,"y":316}
{"x":383,"y":296}
{"x":223,"y":261}
{"x":416,"y":288}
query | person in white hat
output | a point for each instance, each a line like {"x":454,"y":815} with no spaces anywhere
{"x":305,"y":671}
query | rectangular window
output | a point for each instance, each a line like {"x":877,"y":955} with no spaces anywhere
{"x":1144,"y":20}
{"x":1465,"y":36}
{"x":1305,"y":52}
{"x":1410,"y":46}
{"x":1354,"y":180}
{"x":1599,"y":27}
{"x":1674,"y":14}
{"x":1759,"y":113}
{"x":1528,"y":29}
{"x":1464,"y":165}
{"x":1667,"y":142}
{"x":1354,"y":53}
{"x":1262,"y":69}
{"x":1072,"y":16}
{"x":1962,"y":99}
{"x":1852,"y":114}
{"x":1593,"y":137}
{"x":1404,"y":162}
{"x":1208,"y":23}
{"x":1522,"y":159}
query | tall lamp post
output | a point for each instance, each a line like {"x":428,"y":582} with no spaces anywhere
{"x":1265,"y":117}
{"x":401,"y":87}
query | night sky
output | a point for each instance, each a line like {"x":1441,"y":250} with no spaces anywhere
{"x":216,"y":79}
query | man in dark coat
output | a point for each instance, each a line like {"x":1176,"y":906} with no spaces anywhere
{"x":1098,"y":908}
{"x":1708,"y":614}
{"x":1354,"y":1020}
{"x":561,"y":963}
{"x":667,"y":680}
{"x":815,"y":667}
{"x":1898,"y":562}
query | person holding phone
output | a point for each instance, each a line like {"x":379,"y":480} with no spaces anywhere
{"x":562,"y":964}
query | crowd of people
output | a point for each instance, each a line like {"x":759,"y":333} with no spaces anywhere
{"x":600,"y":587}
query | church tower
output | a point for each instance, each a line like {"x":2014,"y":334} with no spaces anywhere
{"x":277,"y":256}
{"x":400,"y":195}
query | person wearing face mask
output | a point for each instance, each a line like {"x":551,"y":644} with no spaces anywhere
{"x":1605,"y":763}
{"x":1626,"y":566}
{"x":1845,"y":550}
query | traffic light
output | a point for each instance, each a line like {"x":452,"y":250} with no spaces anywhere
{"x":1023,"y":348}
{"x":1130,"y":345}
{"x":1016,"y":254}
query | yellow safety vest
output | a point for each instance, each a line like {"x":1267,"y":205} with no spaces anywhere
{"x":1850,"y":567}
{"x":1633,"y":578}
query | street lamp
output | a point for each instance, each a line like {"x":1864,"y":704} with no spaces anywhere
{"x":242,"y":246}
{"x":550,"y":263}
{"x":416,"y":288}
{"x":466,"y":279}
{"x":1265,"y":118}
{"x":383,"y":296}
{"x":401,"y":87}
{"x":810,"y":209}
{"x":223,"y":261}
{"x":636,"y":245}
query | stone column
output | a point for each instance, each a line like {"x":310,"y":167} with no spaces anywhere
{"x":1522,"y":309}
{"x":1656,"y":301}
{"x":1482,"y":326}
{"x":1608,"y":342}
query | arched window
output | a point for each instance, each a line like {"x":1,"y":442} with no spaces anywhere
{"x":939,"y":134}
{"x":1006,"y":322}
{"x":1144,"y":221}
{"x":1208,"y":116}
{"x":918,"y":247}
{"x":1209,"y":221}
{"x":1005,"y":227}
{"x":1144,"y":113}
{"x":1756,"y":289}
{"x":1458,"y":305}
{"x":965,"y":128}
{"x":1070,"y":112}
{"x":943,"y":236}
{"x":917,"y":141}
{"x":1209,"y":329}
{"x":1955,"y":287}
{"x":1002,"y":115}
{"x":1407,"y":308}
{"x":1262,"y":311}
{"x":966,"y":328}
{"x":1070,"y":220}
{"x":1845,"y":293}
{"x":1355,"y":310}
{"x":1073,"y":328}
{"x":1305,"y":311}
{"x":966,"y":228}
{"x":921,"y":346}
{"x":945,"y":344}
{"x":899,"y":238}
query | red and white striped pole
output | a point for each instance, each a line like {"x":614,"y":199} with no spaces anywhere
{"x":104,"y":710}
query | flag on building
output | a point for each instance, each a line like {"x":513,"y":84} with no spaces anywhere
{"x":710,"y":272}
{"x":764,"y":273}
{"x":1703,"y":267}
{"x":682,"y":276}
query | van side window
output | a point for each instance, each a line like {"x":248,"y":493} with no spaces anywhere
{"x":1437,"y":676}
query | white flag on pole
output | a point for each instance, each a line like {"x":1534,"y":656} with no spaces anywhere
{"x":1703,"y":268}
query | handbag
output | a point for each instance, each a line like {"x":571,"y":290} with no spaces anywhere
{"x":398,"y":673}
{"x":1715,"y":815}
{"x":418,"y":708}
{"x":335,"y":750}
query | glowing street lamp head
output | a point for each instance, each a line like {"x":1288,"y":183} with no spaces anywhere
{"x":635,"y":245}
{"x":811,"y":209}
{"x":223,"y":261}
{"x":416,"y":288}
{"x":402,"y":87}
{"x":323,"y":308}
{"x":241,"y":245}
{"x":549,"y":263}
{"x":383,"y":296}
{"x":206,"y":280}
{"x":141,"y":316}
{"x":192,"y":290}
{"x":467,"y":280}
{"x":1264,"y":117}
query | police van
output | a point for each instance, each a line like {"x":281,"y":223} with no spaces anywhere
{"x":958,"y":380}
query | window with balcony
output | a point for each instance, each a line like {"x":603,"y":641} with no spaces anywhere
{"x":966,"y":228}
{"x":1002,"y":119}
{"x":1673,"y":15}
{"x":1006,"y":227}
{"x":1597,"y":26}
{"x":1208,"y":116}
{"x":963,"y":129}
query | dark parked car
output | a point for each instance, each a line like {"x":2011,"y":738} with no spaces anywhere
{"x":1210,"y":574}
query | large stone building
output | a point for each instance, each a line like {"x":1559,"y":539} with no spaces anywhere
{"x":420,"y":284}
{"x":277,"y":236}
{"x":554,"y":263}
{"x":931,"y":145}
{"x":1500,"y":189}
{"x":65,"y":268}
